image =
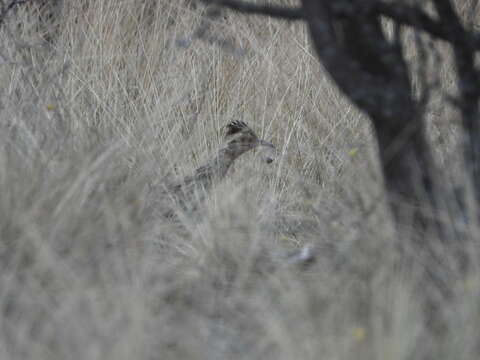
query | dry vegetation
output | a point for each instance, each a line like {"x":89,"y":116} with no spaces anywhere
{"x":101,"y":103}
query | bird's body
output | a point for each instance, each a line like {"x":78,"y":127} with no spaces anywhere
{"x":240,"y":138}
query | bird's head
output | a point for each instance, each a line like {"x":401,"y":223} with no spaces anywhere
{"x":241,"y":138}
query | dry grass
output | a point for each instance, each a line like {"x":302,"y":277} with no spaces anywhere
{"x":93,"y":122}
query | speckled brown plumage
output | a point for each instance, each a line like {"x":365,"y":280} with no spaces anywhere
{"x":240,"y":138}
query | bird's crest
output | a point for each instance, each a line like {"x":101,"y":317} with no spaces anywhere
{"x":235,"y":127}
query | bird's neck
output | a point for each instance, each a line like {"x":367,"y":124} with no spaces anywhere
{"x":219,"y":165}
{"x":224,"y":159}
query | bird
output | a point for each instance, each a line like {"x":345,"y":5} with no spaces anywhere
{"x":239,"y":139}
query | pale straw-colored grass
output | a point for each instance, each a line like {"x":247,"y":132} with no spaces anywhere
{"x":95,"y":121}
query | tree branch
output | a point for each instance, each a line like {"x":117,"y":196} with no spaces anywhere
{"x":469,"y":89}
{"x":274,"y":11}
{"x":411,"y":16}
{"x":400,"y":13}
{"x":417,"y":18}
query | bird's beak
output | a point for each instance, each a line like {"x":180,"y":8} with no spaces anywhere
{"x":269,"y":151}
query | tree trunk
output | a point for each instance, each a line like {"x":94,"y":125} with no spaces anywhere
{"x":372,"y":72}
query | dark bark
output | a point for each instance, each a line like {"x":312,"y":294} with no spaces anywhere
{"x":281,"y":12}
{"x":400,"y":13}
{"x":469,"y":89}
{"x":373,"y":73}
